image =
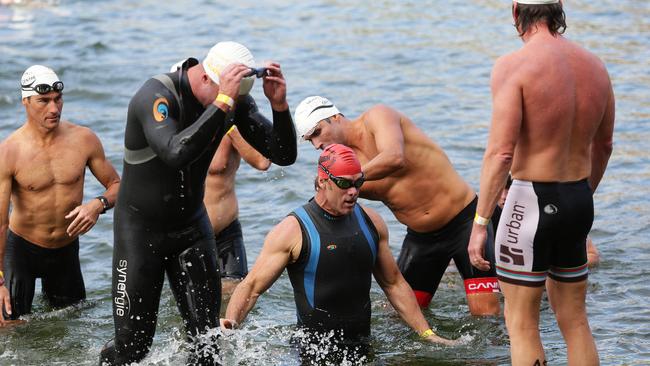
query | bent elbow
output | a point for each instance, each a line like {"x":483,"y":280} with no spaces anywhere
{"x":503,"y":157}
{"x":263,"y":164}
{"x":399,"y":162}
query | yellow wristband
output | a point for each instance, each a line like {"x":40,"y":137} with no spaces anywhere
{"x":427,"y":333}
{"x":481,"y":220}
{"x":223,"y":98}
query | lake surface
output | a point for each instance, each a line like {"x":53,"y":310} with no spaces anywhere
{"x":429,"y":59}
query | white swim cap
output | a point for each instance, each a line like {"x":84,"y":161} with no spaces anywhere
{"x":36,"y":75}
{"x":537,"y":2}
{"x":224,"y":54}
{"x":311,"y":111}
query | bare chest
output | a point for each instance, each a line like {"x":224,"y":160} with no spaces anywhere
{"x":42,"y":168}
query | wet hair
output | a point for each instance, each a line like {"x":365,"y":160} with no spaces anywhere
{"x":528,"y":15}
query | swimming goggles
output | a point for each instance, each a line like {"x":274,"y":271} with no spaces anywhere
{"x":344,"y":183}
{"x":44,"y":88}
{"x":258,"y":72}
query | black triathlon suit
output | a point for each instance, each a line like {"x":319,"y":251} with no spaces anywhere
{"x":331,"y":277}
{"x":542,"y":232}
{"x":425,"y":256}
{"x":161,"y":225}
{"x":231,"y":253}
{"x":58,"y":269}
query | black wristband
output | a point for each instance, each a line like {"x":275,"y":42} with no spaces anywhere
{"x":104,"y":202}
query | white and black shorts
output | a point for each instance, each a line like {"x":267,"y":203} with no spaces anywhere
{"x":542,"y":230}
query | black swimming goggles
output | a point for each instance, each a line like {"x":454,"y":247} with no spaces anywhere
{"x":344,"y":183}
{"x":44,"y":88}
{"x":259,"y":72}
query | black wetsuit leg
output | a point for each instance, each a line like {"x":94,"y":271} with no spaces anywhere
{"x":142,"y":255}
{"x":63,"y":283}
{"x":231,"y":251}
{"x":58,"y":269}
{"x":19,"y":276}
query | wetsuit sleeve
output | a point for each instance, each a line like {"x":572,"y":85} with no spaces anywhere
{"x":158,"y":112}
{"x":276,"y":141}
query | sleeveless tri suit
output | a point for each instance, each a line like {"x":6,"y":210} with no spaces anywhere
{"x":332,"y":275}
{"x":161,"y":225}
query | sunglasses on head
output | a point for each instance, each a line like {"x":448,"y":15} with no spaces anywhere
{"x":344,"y":183}
{"x":44,"y":88}
{"x":258,"y":72}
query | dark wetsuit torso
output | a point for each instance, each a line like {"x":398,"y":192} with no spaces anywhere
{"x":332,"y":275}
{"x":161,"y":225}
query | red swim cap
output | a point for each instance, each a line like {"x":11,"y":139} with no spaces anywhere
{"x":339,"y":160}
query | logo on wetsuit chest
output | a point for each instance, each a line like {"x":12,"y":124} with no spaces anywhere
{"x":122,"y":300}
{"x":331,"y":246}
{"x":160,"y":109}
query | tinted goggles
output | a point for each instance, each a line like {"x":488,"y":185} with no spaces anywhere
{"x":344,"y":183}
{"x":45,"y":88}
{"x":258,"y":72}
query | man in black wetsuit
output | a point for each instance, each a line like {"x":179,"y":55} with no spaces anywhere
{"x":174,"y":125}
{"x":330,"y":247}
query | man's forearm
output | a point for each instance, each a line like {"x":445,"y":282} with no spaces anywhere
{"x":382,"y":166}
{"x":241,"y":302}
{"x":403,"y":300}
{"x":111,"y":192}
{"x":493,"y":177}
{"x":599,"y":159}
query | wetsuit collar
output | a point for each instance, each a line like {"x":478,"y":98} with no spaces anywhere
{"x":325,"y":214}
{"x":186,"y":89}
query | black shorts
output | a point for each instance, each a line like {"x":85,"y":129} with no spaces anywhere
{"x":231,"y":253}
{"x":425,"y":256}
{"x":542,"y":231}
{"x":58,"y":269}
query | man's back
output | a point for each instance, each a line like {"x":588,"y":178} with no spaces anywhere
{"x":566,"y":95}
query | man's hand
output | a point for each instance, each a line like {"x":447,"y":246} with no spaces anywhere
{"x":227,"y":324}
{"x":275,"y":87}
{"x":476,"y":247}
{"x":5,"y":300}
{"x":434,"y":338}
{"x":230,"y":78}
{"x":84,"y":217}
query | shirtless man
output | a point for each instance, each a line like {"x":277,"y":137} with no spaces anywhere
{"x":414,"y":178}
{"x":42,"y":167}
{"x":552,"y":126}
{"x":221,"y":203}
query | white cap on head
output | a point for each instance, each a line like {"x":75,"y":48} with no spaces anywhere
{"x":36,"y":75}
{"x":311,"y":111}
{"x":223,"y":54}
{"x":537,"y":2}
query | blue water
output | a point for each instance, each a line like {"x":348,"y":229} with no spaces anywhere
{"x":429,"y":59}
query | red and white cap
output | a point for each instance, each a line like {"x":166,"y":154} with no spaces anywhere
{"x":339,"y":160}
